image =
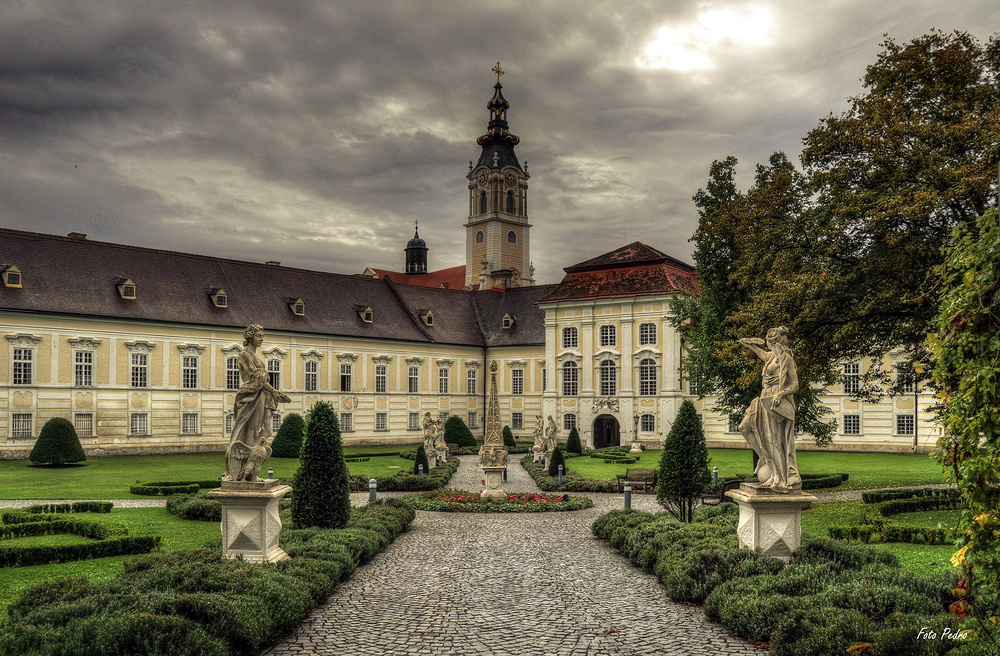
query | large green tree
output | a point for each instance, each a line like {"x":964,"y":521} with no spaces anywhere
{"x":841,"y":252}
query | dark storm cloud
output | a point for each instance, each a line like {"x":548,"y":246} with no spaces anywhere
{"x":316,"y":133}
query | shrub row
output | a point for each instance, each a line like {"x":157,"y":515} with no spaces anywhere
{"x":462,"y":501}
{"x":156,"y":488}
{"x":75,"y":507}
{"x":918,"y":504}
{"x":832,"y":598}
{"x":193,"y":507}
{"x":195,"y":602}
{"x":889,"y":533}
{"x":878,"y":496}
{"x":572,"y":482}
{"x":820,"y":481}
{"x":404,"y":481}
{"x":357,"y":459}
{"x":19,"y":525}
{"x":100,"y":548}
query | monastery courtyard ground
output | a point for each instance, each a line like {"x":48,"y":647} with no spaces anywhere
{"x":535,"y":584}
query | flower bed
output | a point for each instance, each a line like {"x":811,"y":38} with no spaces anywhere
{"x":463,"y":501}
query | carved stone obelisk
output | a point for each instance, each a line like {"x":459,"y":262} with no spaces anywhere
{"x":493,"y":454}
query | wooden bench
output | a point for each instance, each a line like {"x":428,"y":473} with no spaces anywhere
{"x":641,"y":478}
{"x":716,"y":499}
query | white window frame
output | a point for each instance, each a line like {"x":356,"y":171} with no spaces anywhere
{"x":608,"y":377}
{"x":83,"y":422}
{"x":570,"y":337}
{"x":517,"y":421}
{"x":443,"y":376}
{"x":413,"y":421}
{"x":190,"y":423}
{"x":608,"y":334}
{"x":413,"y":379}
{"x":189,"y":371}
{"x":647,"y":377}
{"x":570,"y":382}
{"x":276,"y":420}
{"x":139,"y":370}
{"x":381,"y":378}
{"x":471,"y":381}
{"x":517,"y":382}
{"x":473,"y":419}
{"x":346,"y":376}
{"x":312,"y":375}
{"x":852,"y":377}
{"x":22,"y":425}
{"x":569,"y":421}
{"x":274,"y":372}
{"x":230,"y":417}
{"x":647,"y":333}
{"x":83,"y":368}
{"x":346,"y":422}
{"x":381,"y":421}
{"x":232,"y":373}
{"x":23,"y":359}
{"x":647,"y":423}
{"x":905,"y":424}
{"x":138,"y":423}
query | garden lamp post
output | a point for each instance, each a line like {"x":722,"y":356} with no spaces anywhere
{"x":635,"y":435}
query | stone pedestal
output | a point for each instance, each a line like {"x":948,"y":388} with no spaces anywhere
{"x":770,"y":521}
{"x":494,"y":483}
{"x":250,"y":522}
{"x":636,"y":448}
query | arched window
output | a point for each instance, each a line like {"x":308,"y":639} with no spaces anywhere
{"x":647,"y":377}
{"x":609,"y":378}
{"x":511,"y":237}
{"x":480,"y":237}
{"x":570,"y":337}
{"x":570,"y":379}
{"x":482,"y":202}
{"x":510,"y":202}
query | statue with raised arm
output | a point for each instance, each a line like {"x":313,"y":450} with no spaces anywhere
{"x":550,"y":436}
{"x":430,"y":429}
{"x":769,"y":424}
{"x":439,"y":443}
{"x":256,"y":401}
{"x":538,"y":448}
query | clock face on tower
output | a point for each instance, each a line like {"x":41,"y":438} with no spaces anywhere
{"x":510,"y":178}
{"x":482,"y":178}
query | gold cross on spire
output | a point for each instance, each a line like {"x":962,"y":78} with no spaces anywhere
{"x":499,"y":71}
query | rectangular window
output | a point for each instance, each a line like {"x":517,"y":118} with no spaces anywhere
{"x":571,"y":379}
{"x":381,"y":421}
{"x":907,"y":387}
{"x":693,"y":386}
{"x":21,"y":425}
{"x":443,"y":380}
{"x":516,"y":420}
{"x":517,"y":381}
{"x":346,"y":422}
{"x":140,"y":370}
{"x":609,"y":378}
{"x":274,"y":373}
{"x":275,"y":422}
{"x":413,"y":421}
{"x":84,"y":370}
{"x":852,"y":378}
{"x":608,"y":336}
{"x":138,"y":423}
{"x":647,"y":423}
{"x":733,"y":426}
{"x":569,"y":421}
{"x":647,"y":377}
{"x":413,"y":375}
{"x":189,"y":423}
{"x":189,"y":372}
{"x":23,"y":366}
{"x":852,"y":424}
{"x":647,"y":333}
{"x":381,"y":376}
{"x":904,"y":424}
{"x":346,"y":374}
{"x":570,"y":338}
{"x":473,"y":420}
{"x":312,"y":376}
{"x":471,"y":381}
{"x":229,"y":423}
{"x":232,"y":373}
{"x":83,"y":422}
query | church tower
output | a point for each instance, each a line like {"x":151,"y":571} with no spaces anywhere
{"x":416,"y":253}
{"x":496,"y":235}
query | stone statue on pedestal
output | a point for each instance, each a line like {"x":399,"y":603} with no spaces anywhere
{"x":538,"y":448}
{"x":439,"y":444}
{"x":430,"y":430}
{"x":769,"y":424}
{"x":550,"y":436}
{"x":256,"y":402}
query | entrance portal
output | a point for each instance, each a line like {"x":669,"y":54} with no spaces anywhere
{"x":606,"y":432}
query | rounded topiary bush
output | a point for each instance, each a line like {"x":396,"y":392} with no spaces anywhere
{"x":322,"y":492}
{"x":288,"y":442}
{"x":57,"y":444}
{"x":508,"y":438}
{"x":556,"y":460}
{"x":456,"y":432}
{"x":573,"y":444}
{"x":421,"y":459}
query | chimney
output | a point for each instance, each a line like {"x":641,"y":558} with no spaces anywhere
{"x":77,"y":235}
{"x":273,"y":263}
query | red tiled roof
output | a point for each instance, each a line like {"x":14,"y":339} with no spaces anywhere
{"x":450,"y":278}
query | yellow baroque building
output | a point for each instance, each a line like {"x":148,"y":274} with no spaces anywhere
{"x":138,"y":346}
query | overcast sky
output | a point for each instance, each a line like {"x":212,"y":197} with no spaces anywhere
{"x":316,"y":133}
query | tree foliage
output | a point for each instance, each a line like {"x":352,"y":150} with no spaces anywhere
{"x":573,"y":444}
{"x":57,"y":444}
{"x":965,"y":352}
{"x":508,"y":438}
{"x":683,"y":465}
{"x":421,"y":459}
{"x":556,"y":460}
{"x":456,"y":432}
{"x":842,"y":252}
{"x":322,"y":492}
{"x":288,"y":442}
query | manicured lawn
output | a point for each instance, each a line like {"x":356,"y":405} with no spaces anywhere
{"x":58,"y":540}
{"x":177,"y":534}
{"x":110,"y":478}
{"x":867,"y":470}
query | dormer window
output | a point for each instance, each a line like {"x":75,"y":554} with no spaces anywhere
{"x":126,"y":289}
{"x":11,"y":277}
{"x":427,"y":317}
{"x":219,"y":297}
{"x":366,"y":313}
{"x":297,"y":306}
{"x":508,"y":321}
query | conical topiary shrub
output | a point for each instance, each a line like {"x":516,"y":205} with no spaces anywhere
{"x":573,"y":444}
{"x":683,"y":464}
{"x":57,"y":444}
{"x":456,"y":432}
{"x":556,"y":460}
{"x":288,"y":442}
{"x":421,"y":459}
{"x":508,"y":438}
{"x":322,"y":493}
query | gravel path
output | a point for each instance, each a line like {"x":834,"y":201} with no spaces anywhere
{"x":534,"y":584}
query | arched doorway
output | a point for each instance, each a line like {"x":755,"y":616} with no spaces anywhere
{"x":606,"y":432}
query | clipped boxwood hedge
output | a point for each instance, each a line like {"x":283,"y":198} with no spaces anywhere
{"x":878,"y":496}
{"x":464,"y":501}
{"x":193,"y":507}
{"x":572,"y":482}
{"x":195,"y":602}
{"x":156,"y":488}
{"x":75,"y":507}
{"x":404,"y":481}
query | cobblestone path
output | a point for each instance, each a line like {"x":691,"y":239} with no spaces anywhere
{"x":488,"y":585}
